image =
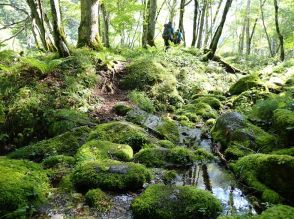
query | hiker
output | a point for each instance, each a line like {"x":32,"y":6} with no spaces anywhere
{"x":178,"y":37}
{"x":167,"y":35}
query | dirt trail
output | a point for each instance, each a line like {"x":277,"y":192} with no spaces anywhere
{"x":109,"y":91}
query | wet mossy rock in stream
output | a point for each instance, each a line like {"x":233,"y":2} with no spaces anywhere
{"x":23,"y":184}
{"x":98,"y":199}
{"x":64,"y":144}
{"x":168,"y":202}
{"x":101,"y":150}
{"x":246,"y":83}
{"x":163,"y":157}
{"x":121,"y":133}
{"x":270,"y":175}
{"x":283,"y":122}
{"x":233,"y":129}
{"x":169,"y":129}
{"x":110,"y":175}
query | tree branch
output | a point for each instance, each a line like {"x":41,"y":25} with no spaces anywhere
{"x":187,"y":3}
{"x":16,"y":8}
{"x":12,"y":24}
{"x":15,"y":35}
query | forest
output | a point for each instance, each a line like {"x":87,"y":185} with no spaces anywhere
{"x":147,"y":109}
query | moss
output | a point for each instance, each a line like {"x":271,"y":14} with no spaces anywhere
{"x":269,"y":175}
{"x":236,"y":150}
{"x":285,"y":151}
{"x":162,"y":157}
{"x":203,"y":156}
{"x":169,"y":177}
{"x":23,"y":184}
{"x":65,"y":144}
{"x":110,"y":175}
{"x":283,"y":122}
{"x":58,"y":160}
{"x":64,"y":120}
{"x":200,"y":109}
{"x":169,"y":129}
{"x":101,"y":150}
{"x":211,"y":101}
{"x":277,"y":212}
{"x":121,"y":109}
{"x":233,"y":127}
{"x":160,"y":201}
{"x":121,"y":133}
{"x":143,"y":73}
{"x":142,"y":101}
{"x":98,"y":199}
{"x":166,"y":144}
{"x":245,"y":83}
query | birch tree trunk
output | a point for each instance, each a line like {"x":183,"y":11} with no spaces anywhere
{"x":58,"y":31}
{"x":203,"y":10}
{"x":88,"y":29}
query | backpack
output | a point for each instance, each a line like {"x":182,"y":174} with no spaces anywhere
{"x":167,"y":32}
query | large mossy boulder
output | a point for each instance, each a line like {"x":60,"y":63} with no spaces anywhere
{"x":110,"y":175}
{"x":65,"y":144}
{"x":143,"y":73}
{"x":121,"y":133}
{"x":23,"y":184}
{"x":270,"y":175}
{"x":101,"y":150}
{"x":163,"y":157}
{"x":232,"y":129}
{"x":168,"y":202}
{"x":246,"y":83}
{"x":283,"y":122}
{"x":169,"y":129}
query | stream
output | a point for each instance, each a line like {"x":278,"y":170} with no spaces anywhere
{"x":212,"y":177}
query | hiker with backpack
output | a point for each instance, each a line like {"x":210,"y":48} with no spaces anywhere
{"x":168,"y":34}
{"x":178,"y":37}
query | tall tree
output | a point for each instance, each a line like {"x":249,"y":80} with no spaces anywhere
{"x":106,"y":23}
{"x":88,"y":29}
{"x":58,"y":31}
{"x":194,"y":39}
{"x":282,"y":54}
{"x":146,"y":4}
{"x":218,"y":33}
{"x":248,"y":27}
{"x":37,"y":16}
{"x":200,"y":33}
{"x":151,"y":22}
{"x":261,"y":4}
{"x":181,"y":17}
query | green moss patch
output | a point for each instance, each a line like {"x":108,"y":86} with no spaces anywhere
{"x":277,"y":212}
{"x":22,"y":184}
{"x":169,"y":129}
{"x":98,"y":199}
{"x":121,"y":133}
{"x":246,"y":83}
{"x":100,"y":150}
{"x":121,"y":109}
{"x":65,"y":144}
{"x":110,"y":175}
{"x":160,"y":201}
{"x":283,"y":122}
{"x":210,"y":100}
{"x":269,"y":175}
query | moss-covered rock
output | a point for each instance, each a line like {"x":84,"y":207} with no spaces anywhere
{"x":269,"y":175}
{"x":162,"y":157}
{"x":58,"y":160}
{"x":65,"y":144}
{"x":121,"y":109}
{"x":233,"y":129}
{"x":121,"y":133}
{"x":167,"y":202}
{"x":277,"y":212}
{"x":210,"y":100}
{"x":285,"y":151}
{"x":110,"y":175}
{"x":98,"y":199}
{"x":101,"y":150}
{"x":246,"y":83}
{"x":283,"y":122}
{"x":201,"y":109}
{"x":169,"y":129}
{"x":23,"y":184}
{"x":169,"y":177}
{"x":166,"y":144}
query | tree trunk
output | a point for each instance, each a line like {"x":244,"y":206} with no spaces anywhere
{"x":265,"y":30}
{"x":206,"y":27}
{"x":203,"y":10}
{"x":145,"y":23}
{"x":248,"y":27}
{"x":282,"y":54}
{"x":37,"y":16}
{"x":58,"y":31}
{"x":106,"y":22}
{"x":88,"y":29}
{"x":251,"y":35}
{"x":218,"y":33}
{"x":172,"y":9}
{"x":151,"y":22}
{"x":195,"y":23}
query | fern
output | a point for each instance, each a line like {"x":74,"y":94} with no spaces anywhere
{"x":43,"y":66}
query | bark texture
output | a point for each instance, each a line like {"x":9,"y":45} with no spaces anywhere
{"x":281,"y":39}
{"x":194,"y":39}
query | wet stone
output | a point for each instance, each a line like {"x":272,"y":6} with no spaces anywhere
{"x":120,"y":169}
